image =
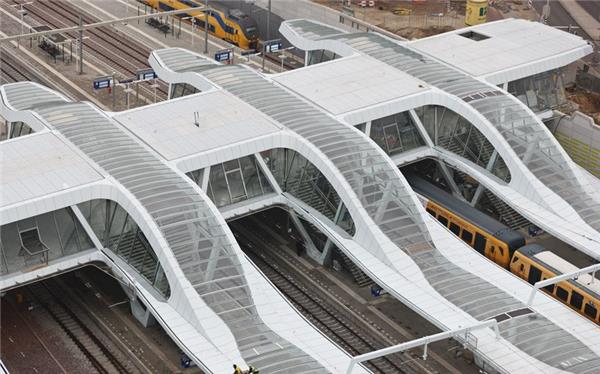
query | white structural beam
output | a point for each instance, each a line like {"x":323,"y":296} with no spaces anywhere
{"x":572,"y":275}
{"x":424,"y":341}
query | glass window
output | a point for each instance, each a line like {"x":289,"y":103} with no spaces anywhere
{"x":576,"y":300}
{"x":431,"y":211}
{"x":67,"y":231}
{"x":561,"y":293}
{"x":467,"y":236}
{"x":590,"y":311}
{"x":534,"y":274}
{"x":454,"y":133}
{"x":443,"y":220}
{"x":396,"y":133}
{"x":454,"y":228}
{"x":219,"y":186}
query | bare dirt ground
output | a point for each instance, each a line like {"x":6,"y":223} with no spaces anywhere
{"x":589,"y":103}
{"x":419,"y":19}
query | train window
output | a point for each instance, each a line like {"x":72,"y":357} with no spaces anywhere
{"x":454,"y":228}
{"x":549,"y":288}
{"x":534,"y":275}
{"x":501,"y":251}
{"x":515,"y":258}
{"x":562,"y":293}
{"x":467,"y":236}
{"x":576,"y":300}
{"x":590,"y":311}
{"x":443,"y":220}
{"x":480,"y":242}
{"x":430,"y":211}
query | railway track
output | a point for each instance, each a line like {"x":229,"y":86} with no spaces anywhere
{"x":317,"y":309}
{"x":12,"y":71}
{"x":116,"y":50}
{"x":100,"y":356}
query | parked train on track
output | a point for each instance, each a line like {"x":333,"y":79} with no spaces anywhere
{"x":508,"y":248}
{"x":233,"y":26}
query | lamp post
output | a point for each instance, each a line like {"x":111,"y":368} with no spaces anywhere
{"x":22,"y":12}
{"x":206,"y":27}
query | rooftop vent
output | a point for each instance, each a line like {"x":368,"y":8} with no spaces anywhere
{"x":474,"y":36}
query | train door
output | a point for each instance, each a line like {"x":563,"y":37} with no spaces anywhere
{"x":480,"y":243}
{"x":535,"y":275}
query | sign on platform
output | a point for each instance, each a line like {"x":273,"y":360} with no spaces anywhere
{"x":145,"y":75}
{"x":225,"y":55}
{"x":273,"y":46}
{"x":102,"y":82}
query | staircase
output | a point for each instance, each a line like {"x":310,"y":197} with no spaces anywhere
{"x":359,"y":276}
{"x":507,"y":215}
{"x":313,"y":197}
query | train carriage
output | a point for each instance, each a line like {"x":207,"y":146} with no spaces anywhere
{"x":233,"y":26}
{"x":534,"y":263}
{"x":488,"y":236}
{"x":507,"y":248}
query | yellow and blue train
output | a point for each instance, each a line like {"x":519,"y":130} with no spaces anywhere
{"x":508,"y":248}
{"x":234,"y":26}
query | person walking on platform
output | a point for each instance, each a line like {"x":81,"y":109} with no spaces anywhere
{"x":237,"y":370}
{"x":252,"y":370}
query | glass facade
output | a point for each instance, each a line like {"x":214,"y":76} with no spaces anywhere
{"x":296,"y":175}
{"x":10,"y":130}
{"x":182,"y":89}
{"x":396,"y":133}
{"x":540,"y":92}
{"x":454,"y":133}
{"x":118,"y":232}
{"x":234,"y":181}
{"x":37,"y":240}
{"x":320,"y":55}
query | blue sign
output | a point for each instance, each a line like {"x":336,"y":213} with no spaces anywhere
{"x":144,"y":75}
{"x":224,"y":55}
{"x":102,"y":82}
{"x":273,"y":46}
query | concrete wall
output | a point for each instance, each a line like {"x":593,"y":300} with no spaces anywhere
{"x":580,"y":137}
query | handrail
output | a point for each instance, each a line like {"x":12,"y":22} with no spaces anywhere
{"x":424,"y":341}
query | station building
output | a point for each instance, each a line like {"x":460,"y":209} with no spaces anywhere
{"x":147,"y":192}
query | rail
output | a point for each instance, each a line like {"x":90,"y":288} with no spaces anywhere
{"x":424,"y":341}
{"x":90,"y":26}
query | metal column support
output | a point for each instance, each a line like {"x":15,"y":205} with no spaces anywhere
{"x":421,"y":128}
{"x":206,"y":27}
{"x":86,"y":227}
{"x":205,"y":177}
{"x":329,"y":243}
{"x":368,"y":128}
{"x":80,"y":71}
{"x":450,"y":179}
{"x":481,"y":188}
{"x":311,"y":249}
{"x":270,"y":177}
{"x":268,"y":22}
{"x":430,"y":142}
{"x":424,"y":341}
{"x":572,"y":275}
{"x":212,"y":263}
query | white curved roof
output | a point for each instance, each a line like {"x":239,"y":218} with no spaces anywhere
{"x":398,"y":235}
{"x":208,"y":275}
{"x":515,"y":49}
